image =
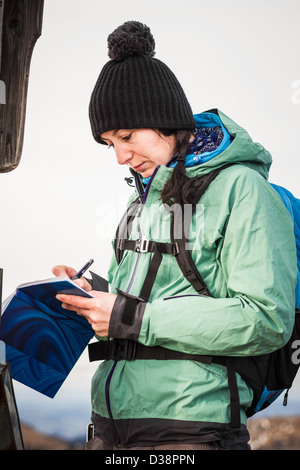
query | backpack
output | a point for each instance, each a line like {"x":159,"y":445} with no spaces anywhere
{"x":267,"y":375}
{"x":270,"y":374}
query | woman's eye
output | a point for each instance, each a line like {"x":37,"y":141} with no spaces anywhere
{"x":127,"y":137}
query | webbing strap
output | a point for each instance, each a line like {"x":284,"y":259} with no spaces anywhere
{"x":185,"y":261}
{"x":146,"y":246}
{"x":125,"y":225}
{"x":157,"y":249}
{"x":151,"y":275}
{"x":180,"y":222}
{"x":130,"y":303}
{"x":235,"y":421}
{"x":120,"y":349}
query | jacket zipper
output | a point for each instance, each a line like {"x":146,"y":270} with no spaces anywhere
{"x":138,"y":215}
{"x":108,"y":381}
{"x":107,"y":385}
{"x":179,"y":296}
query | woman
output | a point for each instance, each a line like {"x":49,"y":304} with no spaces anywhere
{"x":240,"y":239}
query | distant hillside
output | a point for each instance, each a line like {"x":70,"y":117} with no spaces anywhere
{"x":266,"y":434}
{"x":34,"y":440}
{"x":275,"y":433}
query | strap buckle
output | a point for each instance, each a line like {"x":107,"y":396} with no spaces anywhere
{"x":119,"y":349}
{"x":175,"y":249}
{"x":120,"y":244}
{"x":142,"y":246}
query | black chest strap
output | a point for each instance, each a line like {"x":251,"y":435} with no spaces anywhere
{"x":127,"y":349}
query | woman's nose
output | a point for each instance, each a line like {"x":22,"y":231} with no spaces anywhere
{"x":123,"y":155}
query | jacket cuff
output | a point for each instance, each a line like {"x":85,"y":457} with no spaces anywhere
{"x":126,"y":317}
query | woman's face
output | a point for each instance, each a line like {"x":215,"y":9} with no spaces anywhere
{"x":141,"y":149}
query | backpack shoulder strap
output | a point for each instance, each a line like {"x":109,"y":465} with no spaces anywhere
{"x":183,"y":256}
{"x":124,"y":227}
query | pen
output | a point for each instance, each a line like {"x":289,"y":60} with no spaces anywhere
{"x":83,"y":269}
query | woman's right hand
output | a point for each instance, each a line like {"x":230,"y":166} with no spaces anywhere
{"x":62,"y":270}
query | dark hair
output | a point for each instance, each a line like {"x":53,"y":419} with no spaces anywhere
{"x":179,"y":188}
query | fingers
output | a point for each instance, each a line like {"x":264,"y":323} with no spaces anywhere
{"x":75,"y":304}
{"x":59,"y":270}
{"x":75,"y":301}
{"x":97,"y":311}
{"x":62,"y":270}
{"x":84,"y":284}
{"x":79,"y":311}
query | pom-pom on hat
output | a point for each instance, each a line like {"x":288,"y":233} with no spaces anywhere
{"x":135,"y":90}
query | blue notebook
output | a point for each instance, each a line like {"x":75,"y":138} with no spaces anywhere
{"x":43,"y":340}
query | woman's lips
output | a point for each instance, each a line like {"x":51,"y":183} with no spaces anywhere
{"x":138,"y":167}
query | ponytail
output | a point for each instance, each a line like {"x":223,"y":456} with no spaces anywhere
{"x":176,"y":188}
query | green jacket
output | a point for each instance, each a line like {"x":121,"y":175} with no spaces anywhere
{"x":243,"y":244}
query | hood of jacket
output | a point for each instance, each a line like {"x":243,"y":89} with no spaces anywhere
{"x":237,"y":147}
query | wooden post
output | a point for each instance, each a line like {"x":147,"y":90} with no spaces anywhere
{"x":20,"y":27}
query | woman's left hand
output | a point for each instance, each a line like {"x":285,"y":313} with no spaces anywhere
{"x":96,"y":310}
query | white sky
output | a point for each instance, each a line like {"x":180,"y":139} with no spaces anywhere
{"x":62,"y":204}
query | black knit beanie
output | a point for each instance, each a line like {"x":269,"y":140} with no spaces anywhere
{"x":134,"y":90}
